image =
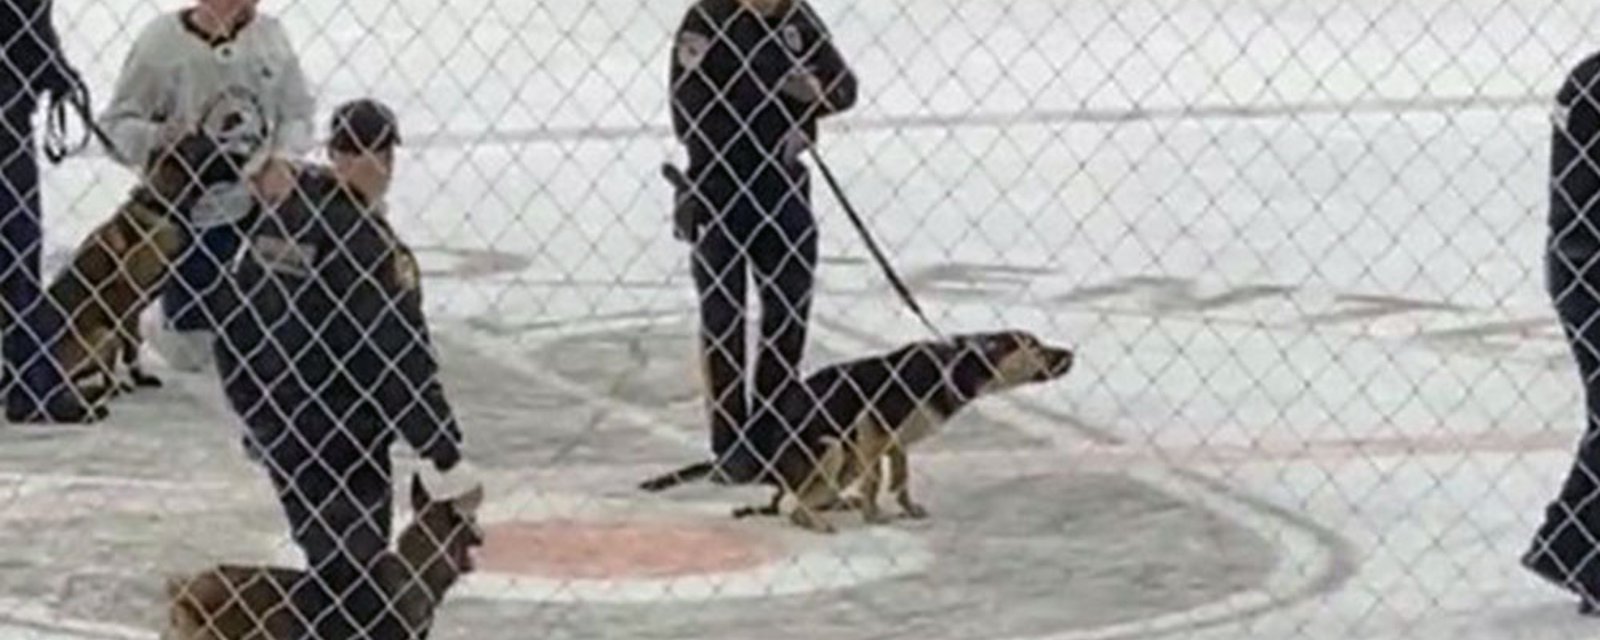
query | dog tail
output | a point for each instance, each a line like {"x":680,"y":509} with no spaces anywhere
{"x":690,"y":473}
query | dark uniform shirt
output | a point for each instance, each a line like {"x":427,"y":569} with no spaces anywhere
{"x":728,"y":67}
{"x":1575,"y":167}
{"x":327,"y":321}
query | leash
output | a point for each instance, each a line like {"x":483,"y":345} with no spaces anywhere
{"x":872,"y":245}
{"x":56,"y":148}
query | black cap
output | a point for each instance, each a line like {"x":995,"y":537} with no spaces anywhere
{"x":363,"y":126}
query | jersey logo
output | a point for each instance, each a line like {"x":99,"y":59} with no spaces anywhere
{"x":792,"y":38}
{"x":691,"y":49}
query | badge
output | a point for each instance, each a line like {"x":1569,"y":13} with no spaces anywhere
{"x":792,"y":39}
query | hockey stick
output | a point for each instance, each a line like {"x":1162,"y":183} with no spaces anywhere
{"x":872,"y":245}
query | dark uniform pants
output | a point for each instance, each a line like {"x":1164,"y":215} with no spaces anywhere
{"x":1568,"y":542}
{"x":188,"y":299}
{"x":26,"y":323}
{"x":772,"y":236}
{"x":334,"y":482}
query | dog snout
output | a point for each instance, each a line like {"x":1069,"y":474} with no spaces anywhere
{"x":1060,"y":362}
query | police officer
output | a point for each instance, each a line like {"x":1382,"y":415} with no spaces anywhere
{"x":749,"y":80}
{"x":1564,"y":550}
{"x":31,"y":65}
{"x":324,"y":352}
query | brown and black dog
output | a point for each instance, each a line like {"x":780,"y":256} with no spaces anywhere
{"x":232,"y":602}
{"x":118,"y":270}
{"x":846,"y":419}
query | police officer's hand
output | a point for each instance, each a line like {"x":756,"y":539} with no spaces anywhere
{"x":66,"y":83}
{"x":448,"y":484}
{"x":804,"y":86}
{"x":687,"y":212}
{"x":274,"y":182}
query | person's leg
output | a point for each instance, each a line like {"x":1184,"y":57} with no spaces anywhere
{"x":20,"y":240}
{"x":785,"y":262}
{"x":36,"y":389}
{"x":720,"y":271}
{"x":336,"y":496}
{"x":187,"y":298}
{"x":1566,"y":548}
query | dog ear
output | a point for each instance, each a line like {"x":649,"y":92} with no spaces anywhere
{"x":469,"y":502}
{"x":419,"y":493}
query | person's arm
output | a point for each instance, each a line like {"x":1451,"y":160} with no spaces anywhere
{"x":1575,"y":160}
{"x":825,"y":82}
{"x":136,"y":117}
{"x":381,"y":281}
{"x":296,"y":105}
{"x":702,"y":67}
{"x":38,"y":49}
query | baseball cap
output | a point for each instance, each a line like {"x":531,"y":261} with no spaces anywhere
{"x":363,"y":126}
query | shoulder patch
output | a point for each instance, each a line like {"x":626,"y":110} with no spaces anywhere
{"x":282,"y":256}
{"x":1561,"y":115}
{"x":691,"y":49}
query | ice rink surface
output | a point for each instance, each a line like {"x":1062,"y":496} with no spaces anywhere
{"x":1320,"y":390}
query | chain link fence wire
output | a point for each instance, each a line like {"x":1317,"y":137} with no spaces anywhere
{"x":1041,"y":319}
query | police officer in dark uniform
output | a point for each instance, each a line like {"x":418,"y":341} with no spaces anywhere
{"x":1564,"y":550}
{"x":325,"y":354}
{"x":32,"y":65}
{"x":749,"y":80}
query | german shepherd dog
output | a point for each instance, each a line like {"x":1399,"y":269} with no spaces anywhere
{"x":119,"y":269}
{"x":232,"y":602}
{"x":845,"y":419}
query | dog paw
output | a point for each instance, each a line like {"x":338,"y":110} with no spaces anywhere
{"x":812,"y":523}
{"x":914,"y":511}
{"x":876,"y":517}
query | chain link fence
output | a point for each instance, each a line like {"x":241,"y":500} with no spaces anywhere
{"x":1246,"y":313}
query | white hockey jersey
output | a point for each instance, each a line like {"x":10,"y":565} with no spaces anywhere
{"x":173,"y":74}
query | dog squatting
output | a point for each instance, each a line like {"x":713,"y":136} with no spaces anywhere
{"x":749,"y":80}
{"x":118,"y":269}
{"x":847,"y":418}
{"x":233,"y":602}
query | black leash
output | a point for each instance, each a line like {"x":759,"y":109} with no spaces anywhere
{"x":872,"y":245}
{"x":56,"y":148}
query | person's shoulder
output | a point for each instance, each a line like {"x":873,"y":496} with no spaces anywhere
{"x":268,"y":27}
{"x":161,"y":30}
{"x":1587,"y":71}
{"x":710,"y":11}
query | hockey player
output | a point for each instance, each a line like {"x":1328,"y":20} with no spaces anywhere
{"x":325,"y":355}
{"x":222,"y":61}
{"x":1564,"y":550}
{"x":32,"y":66}
{"x":749,"y":80}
